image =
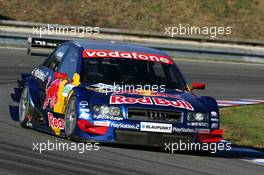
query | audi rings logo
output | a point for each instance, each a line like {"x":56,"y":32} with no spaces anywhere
{"x":155,"y":115}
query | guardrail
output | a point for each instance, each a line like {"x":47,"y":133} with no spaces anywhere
{"x":143,"y":34}
{"x":182,"y":46}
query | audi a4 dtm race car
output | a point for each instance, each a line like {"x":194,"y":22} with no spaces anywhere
{"x":84,"y":90}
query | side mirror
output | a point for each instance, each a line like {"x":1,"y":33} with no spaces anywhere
{"x":59,"y":75}
{"x":198,"y":86}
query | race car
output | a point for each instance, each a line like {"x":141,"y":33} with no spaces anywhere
{"x":114,"y":93}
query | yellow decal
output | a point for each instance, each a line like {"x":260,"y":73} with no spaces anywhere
{"x":65,"y":93}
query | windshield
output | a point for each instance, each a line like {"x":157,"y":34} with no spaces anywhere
{"x":126,"y":71}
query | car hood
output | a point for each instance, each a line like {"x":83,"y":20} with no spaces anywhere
{"x":170,"y":99}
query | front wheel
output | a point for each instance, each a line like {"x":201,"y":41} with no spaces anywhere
{"x":24,"y":110}
{"x":70,"y":118}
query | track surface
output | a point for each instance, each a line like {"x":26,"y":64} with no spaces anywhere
{"x":17,"y":157}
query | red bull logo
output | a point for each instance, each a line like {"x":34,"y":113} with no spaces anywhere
{"x":51,"y":93}
{"x":56,"y":124}
{"x":119,"y":99}
{"x":148,"y":93}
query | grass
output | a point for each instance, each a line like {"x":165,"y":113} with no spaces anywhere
{"x":246,"y":17}
{"x":244,"y":125}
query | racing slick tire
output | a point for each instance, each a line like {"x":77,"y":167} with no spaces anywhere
{"x":24,"y":108}
{"x":71,"y":119}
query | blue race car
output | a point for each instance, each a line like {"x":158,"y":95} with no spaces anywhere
{"x":113,"y":92}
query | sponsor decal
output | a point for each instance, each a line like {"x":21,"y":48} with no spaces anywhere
{"x":83,"y":107}
{"x":203,"y":130}
{"x":214,"y":125}
{"x":83,"y":104}
{"x":119,"y":99}
{"x":51,"y":93}
{"x":84,"y":116}
{"x":129,"y":55}
{"x":148,"y":93}
{"x":116,"y":99}
{"x":67,"y":89}
{"x":39,"y":74}
{"x":102,"y":123}
{"x":198,"y":124}
{"x":84,"y":110}
{"x":107,"y":117}
{"x":125,"y":126}
{"x":214,"y":114}
{"x":57,"y":124}
{"x":176,"y":103}
{"x":214,"y":119}
{"x":45,"y":43}
{"x":156,"y":127}
{"x":180,"y":130}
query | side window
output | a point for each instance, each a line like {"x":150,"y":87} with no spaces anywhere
{"x":55,"y":58}
{"x":69,"y":63}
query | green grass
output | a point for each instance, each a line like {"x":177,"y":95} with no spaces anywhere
{"x":246,"y":17}
{"x":244,"y":125}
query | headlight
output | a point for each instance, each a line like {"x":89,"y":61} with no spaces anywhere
{"x":106,"y":110}
{"x":191,"y":116}
{"x":96,"y":109}
{"x":198,"y":117}
{"x":115,"y":111}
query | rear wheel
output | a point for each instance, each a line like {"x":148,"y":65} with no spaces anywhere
{"x":24,"y":107}
{"x":70,"y":118}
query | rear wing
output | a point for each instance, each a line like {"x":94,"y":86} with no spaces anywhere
{"x":41,"y":46}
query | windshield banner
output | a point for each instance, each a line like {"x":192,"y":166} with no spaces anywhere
{"x":129,"y":55}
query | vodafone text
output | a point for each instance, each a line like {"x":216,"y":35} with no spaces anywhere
{"x":129,"y":55}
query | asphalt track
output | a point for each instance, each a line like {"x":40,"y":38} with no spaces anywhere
{"x":224,"y":80}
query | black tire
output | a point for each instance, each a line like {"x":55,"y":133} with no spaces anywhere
{"x":71,"y":119}
{"x":24,"y":107}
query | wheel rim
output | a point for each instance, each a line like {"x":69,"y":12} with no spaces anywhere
{"x":70,"y":118}
{"x":23,"y":105}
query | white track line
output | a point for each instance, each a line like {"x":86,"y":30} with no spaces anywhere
{"x":255,"y":161}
